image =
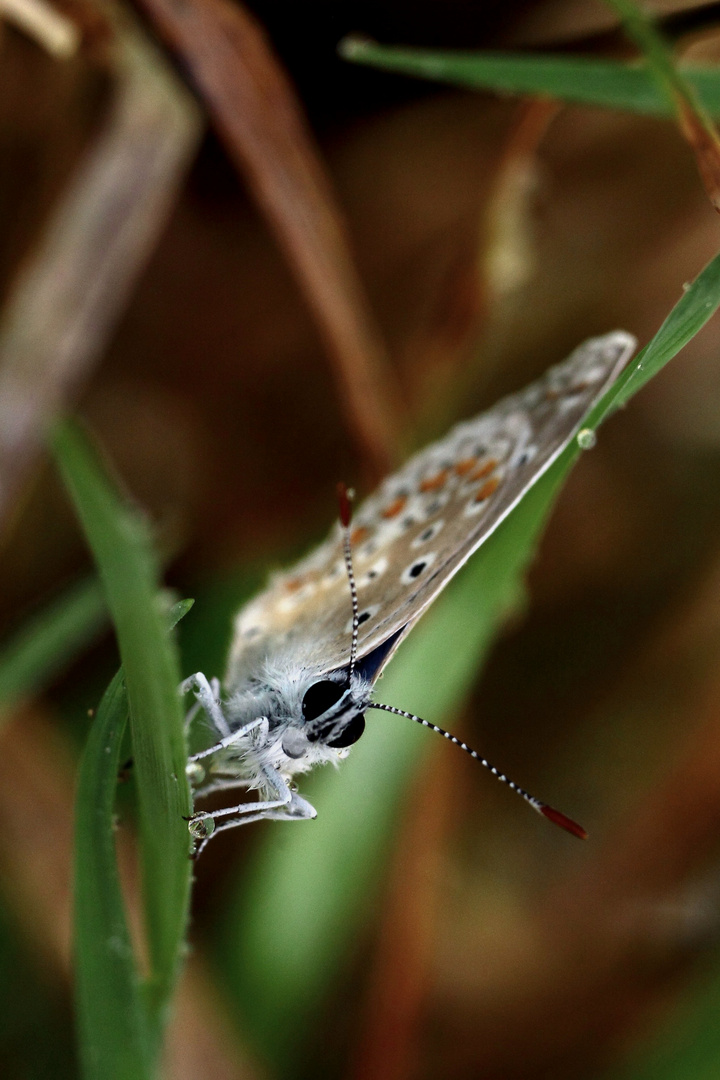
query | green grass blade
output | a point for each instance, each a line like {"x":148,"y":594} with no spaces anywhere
{"x":178,"y":611}
{"x":44,"y":644}
{"x":118,"y":539}
{"x":640,"y":26}
{"x":698,"y":303}
{"x":296,"y":911}
{"x":576,"y":80}
{"x":113,"y":1038}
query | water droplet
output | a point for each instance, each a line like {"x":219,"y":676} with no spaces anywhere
{"x":195,"y":773}
{"x":202,"y":827}
{"x":586,"y":438}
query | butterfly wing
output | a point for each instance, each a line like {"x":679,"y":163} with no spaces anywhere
{"x":423,"y":523}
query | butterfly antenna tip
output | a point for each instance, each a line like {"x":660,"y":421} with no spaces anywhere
{"x":345,"y":499}
{"x":562,"y":820}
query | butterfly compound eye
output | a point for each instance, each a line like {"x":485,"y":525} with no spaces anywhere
{"x":350,"y":733}
{"x":320,"y":697}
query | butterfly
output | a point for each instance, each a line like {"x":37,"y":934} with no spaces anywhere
{"x":307,"y":652}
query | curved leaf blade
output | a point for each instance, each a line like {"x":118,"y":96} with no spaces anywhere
{"x":113,"y":1036}
{"x":574,"y":79}
{"x":129,"y":575}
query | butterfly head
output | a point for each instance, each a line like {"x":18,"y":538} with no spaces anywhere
{"x":309,"y":717}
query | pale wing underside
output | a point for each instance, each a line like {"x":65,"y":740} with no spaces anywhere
{"x":424,"y":522}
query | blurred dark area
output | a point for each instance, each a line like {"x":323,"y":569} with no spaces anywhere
{"x":491,"y":236}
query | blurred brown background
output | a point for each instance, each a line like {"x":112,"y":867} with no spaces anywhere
{"x":490,"y":236}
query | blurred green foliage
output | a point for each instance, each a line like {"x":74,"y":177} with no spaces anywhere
{"x":36,"y":1033}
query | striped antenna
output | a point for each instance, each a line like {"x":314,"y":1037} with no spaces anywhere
{"x":549,"y":812}
{"x":345,"y":497}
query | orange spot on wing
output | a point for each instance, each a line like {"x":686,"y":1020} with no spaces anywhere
{"x":295,"y":584}
{"x":395,"y":507}
{"x":484,"y":470}
{"x":358,"y":535}
{"x":488,"y":489}
{"x":465,"y":466}
{"x":435,"y":483}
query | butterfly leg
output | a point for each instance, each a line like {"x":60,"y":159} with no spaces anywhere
{"x":298,"y":809}
{"x":208,"y":695}
{"x":274,"y":785}
{"x":232,"y":737}
{"x":195,"y":709}
{"x":220,"y":783}
{"x":286,"y":806}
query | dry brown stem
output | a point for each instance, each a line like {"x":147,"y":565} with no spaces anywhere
{"x":257,"y":115}
{"x":68,"y":297}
